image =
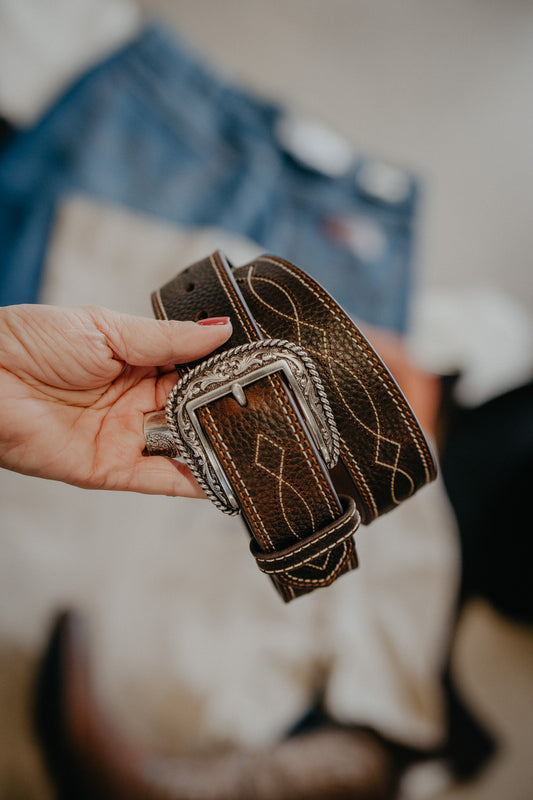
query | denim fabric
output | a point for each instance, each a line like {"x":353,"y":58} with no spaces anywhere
{"x":154,"y":129}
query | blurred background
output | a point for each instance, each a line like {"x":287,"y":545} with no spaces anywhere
{"x":440,"y":89}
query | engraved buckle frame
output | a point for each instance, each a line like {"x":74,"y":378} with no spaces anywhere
{"x":228,"y":373}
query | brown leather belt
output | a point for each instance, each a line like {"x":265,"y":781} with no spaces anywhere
{"x":295,"y":422}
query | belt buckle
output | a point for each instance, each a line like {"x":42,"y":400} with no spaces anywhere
{"x":228,"y":373}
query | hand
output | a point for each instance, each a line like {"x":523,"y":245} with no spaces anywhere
{"x":75,"y":384}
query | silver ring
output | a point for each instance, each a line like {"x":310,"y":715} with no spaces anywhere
{"x":157,"y":435}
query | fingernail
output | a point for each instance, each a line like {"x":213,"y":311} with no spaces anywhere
{"x":213,"y":321}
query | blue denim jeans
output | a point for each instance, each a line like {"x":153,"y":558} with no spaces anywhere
{"x":154,"y":129}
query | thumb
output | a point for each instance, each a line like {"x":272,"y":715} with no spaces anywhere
{"x":144,"y":342}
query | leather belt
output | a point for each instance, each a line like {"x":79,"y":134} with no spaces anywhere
{"x":295,"y":422}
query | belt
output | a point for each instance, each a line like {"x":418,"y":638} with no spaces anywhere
{"x":295,"y":423}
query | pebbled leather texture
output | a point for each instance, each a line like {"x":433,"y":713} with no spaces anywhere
{"x":288,"y":498}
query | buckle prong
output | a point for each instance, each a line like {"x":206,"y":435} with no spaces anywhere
{"x":239,"y":394}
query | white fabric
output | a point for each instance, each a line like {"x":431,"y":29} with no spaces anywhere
{"x":185,"y":623}
{"x":45,"y":43}
{"x":480,"y":332}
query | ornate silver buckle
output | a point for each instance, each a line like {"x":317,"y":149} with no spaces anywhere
{"x":229,"y":373}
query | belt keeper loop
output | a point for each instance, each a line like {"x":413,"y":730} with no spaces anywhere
{"x":304,"y":552}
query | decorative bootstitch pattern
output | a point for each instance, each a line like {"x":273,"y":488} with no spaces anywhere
{"x":231,"y":468}
{"x":291,"y":576}
{"x":318,"y":479}
{"x":253,"y":282}
{"x":341,"y":557}
{"x":347,"y":327}
{"x":297,"y":315}
{"x":387,"y":452}
{"x":242,"y":479}
{"x":275,"y":457}
{"x":381,"y":372}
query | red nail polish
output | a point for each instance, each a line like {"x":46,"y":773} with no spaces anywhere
{"x":213,"y":321}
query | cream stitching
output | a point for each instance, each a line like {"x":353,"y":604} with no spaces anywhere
{"x":306,"y":545}
{"x":230,"y":293}
{"x":305,"y":561}
{"x":328,"y":578}
{"x":246,"y":324}
{"x":391,"y":391}
{"x":288,"y":413}
{"x":238,"y":476}
{"x":278,"y":477}
{"x":380,"y":438}
{"x":362,"y":483}
{"x":325,"y":355}
{"x":325,"y":549}
{"x":251,"y":278}
{"x":296,"y":319}
{"x":370,"y":359}
{"x":240,"y":480}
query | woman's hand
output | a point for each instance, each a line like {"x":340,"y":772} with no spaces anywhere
{"x":75,"y":384}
